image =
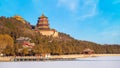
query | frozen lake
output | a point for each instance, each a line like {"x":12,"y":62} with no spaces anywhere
{"x":92,"y":62}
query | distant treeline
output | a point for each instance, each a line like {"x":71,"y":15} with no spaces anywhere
{"x":11,"y":29}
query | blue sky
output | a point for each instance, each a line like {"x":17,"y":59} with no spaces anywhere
{"x":92,"y":20}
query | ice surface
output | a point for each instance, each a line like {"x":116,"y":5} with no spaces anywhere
{"x":92,"y":62}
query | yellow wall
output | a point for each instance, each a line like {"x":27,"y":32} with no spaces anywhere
{"x":49,"y":33}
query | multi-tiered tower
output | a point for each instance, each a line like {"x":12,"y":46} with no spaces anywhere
{"x":43,"y":27}
{"x":43,"y":23}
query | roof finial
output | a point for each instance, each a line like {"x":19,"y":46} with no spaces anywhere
{"x":42,"y":13}
{"x":43,"y":16}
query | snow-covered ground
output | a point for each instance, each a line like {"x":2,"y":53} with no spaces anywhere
{"x":92,"y":62}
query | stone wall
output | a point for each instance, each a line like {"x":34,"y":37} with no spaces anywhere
{"x":49,"y":33}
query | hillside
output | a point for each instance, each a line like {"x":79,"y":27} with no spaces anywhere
{"x":14,"y":28}
{"x":65,"y":44}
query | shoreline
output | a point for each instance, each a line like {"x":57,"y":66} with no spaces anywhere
{"x":83,"y":55}
{"x":52,"y":57}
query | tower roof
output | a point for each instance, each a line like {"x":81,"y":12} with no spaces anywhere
{"x":43,"y":16}
{"x":19,"y":18}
